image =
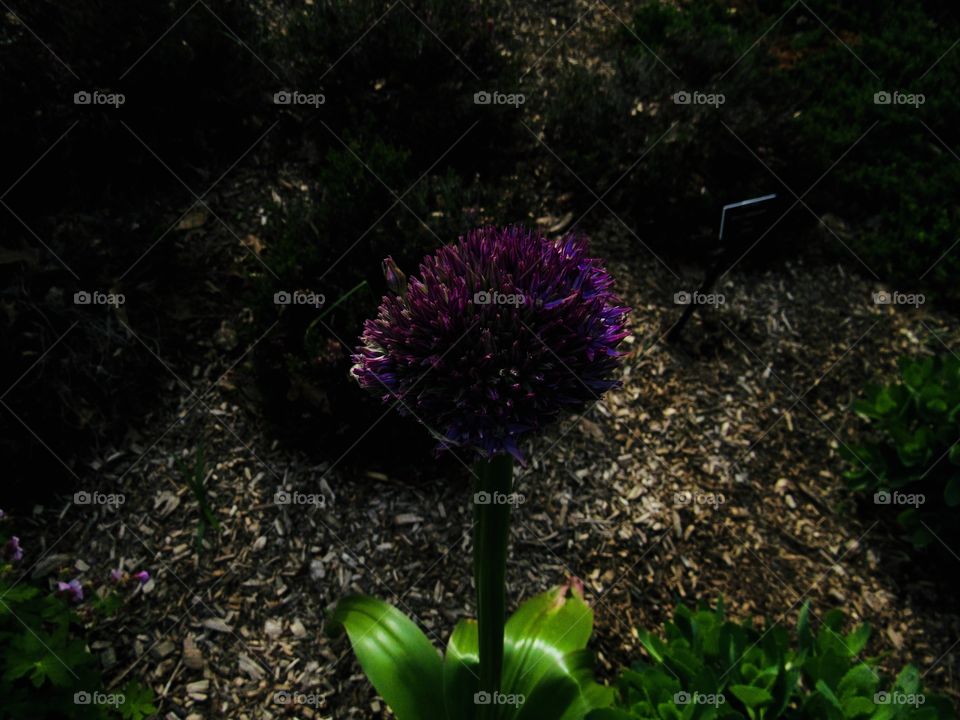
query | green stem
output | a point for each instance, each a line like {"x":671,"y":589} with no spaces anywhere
{"x":491,"y":534}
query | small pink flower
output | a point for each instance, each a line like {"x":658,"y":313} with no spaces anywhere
{"x":143,"y":576}
{"x":73,"y":590}
{"x":116,"y":576}
{"x":12,"y":550}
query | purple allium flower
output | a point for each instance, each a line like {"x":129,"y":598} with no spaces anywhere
{"x":12,"y":550}
{"x":498,"y":335}
{"x":143,"y":576}
{"x":72,"y":590}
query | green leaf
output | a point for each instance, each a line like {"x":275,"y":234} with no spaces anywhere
{"x":751,"y":696}
{"x":860,"y":680}
{"x":547,"y":623}
{"x":14,"y":595}
{"x":544,"y":659}
{"x":137,"y":702}
{"x":825,"y":692}
{"x":858,"y":707}
{"x":804,"y":633}
{"x":908,"y":681}
{"x":32,"y":656}
{"x":461,"y":671}
{"x":396,"y":656}
{"x":567,"y":691}
{"x":857,"y":640}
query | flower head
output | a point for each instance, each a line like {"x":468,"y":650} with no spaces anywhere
{"x":12,"y":550}
{"x":72,"y":590}
{"x":143,"y":577}
{"x":498,"y":335}
{"x":117,"y":576}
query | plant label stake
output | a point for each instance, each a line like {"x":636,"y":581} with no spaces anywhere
{"x":741,"y":225}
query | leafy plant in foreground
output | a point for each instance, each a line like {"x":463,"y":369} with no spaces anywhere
{"x":707,"y":667}
{"x":914,"y":464}
{"x":499,"y":334}
{"x":46,"y":670}
{"x":547,"y":672}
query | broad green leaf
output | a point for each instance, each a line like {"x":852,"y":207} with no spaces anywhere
{"x":544,"y":659}
{"x":860,"y":680}
{"x":396,"y":656}
{"x":908,"y":681}
{"x":547,"y":624}
{"x":858,"y":707}
{"x":567,"y":691}
{"x":751,"y":696}
{"x":461,"y":671}
{"x":15,"y":594}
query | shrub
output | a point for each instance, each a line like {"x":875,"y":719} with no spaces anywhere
{"x":912,"y":465}
{"x":799,"y":99}
{"x":706,"y":666}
